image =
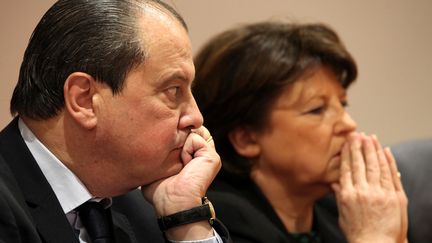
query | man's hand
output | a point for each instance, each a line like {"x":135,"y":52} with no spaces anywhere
{"x":185,"y":190}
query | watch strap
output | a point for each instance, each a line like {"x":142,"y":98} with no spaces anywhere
{"x":185,"y":217}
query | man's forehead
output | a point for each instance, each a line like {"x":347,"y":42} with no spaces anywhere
{"x":161,"y":30}
{"x":154,"y":13}
{"x":156,"y":25}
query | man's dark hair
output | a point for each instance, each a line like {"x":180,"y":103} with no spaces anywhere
{"x":98,"y":37}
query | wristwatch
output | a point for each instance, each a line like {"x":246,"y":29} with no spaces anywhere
{"x":202,"y":212}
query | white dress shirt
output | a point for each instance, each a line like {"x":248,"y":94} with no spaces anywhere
{"x":67,"y":187}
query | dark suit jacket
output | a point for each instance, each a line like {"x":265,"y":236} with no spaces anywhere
{"x":30,"y":210}
{"x":250,"y":218}
{"x":414,"y":159}
{"x":31,"y":213}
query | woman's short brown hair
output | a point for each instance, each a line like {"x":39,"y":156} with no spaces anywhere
{"x":242,"y":71}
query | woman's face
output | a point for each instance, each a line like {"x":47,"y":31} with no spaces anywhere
{"x":307,"y":128}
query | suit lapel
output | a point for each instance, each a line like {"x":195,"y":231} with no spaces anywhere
{"x":51,"y":222}
{"x":40,"y":198}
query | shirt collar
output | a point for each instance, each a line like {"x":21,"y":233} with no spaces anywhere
{"x":69,"y":190}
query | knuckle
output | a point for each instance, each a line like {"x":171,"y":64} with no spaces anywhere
{"x":347,"y":196}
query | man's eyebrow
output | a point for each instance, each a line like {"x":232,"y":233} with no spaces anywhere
{"x":179,"y":75}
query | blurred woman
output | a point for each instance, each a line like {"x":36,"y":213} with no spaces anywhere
{"x":273,"y":96}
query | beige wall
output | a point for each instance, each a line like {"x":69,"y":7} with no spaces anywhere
{"x":17,"y":21}
{"x":390,"y":39}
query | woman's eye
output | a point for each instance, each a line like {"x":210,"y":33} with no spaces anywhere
{"x":344,"y":104}
{"x":317,"y":110}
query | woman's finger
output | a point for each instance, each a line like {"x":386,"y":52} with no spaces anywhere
{"x":376,"y":142}
{"x":395,"y":174}
{"x":357,"y":161}
{"x":345,"y":168}
{"x":403,"y":200}
{"x":386,"y":176}
{"x":372,"y":163}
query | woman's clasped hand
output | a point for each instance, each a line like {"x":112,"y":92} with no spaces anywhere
{"x":371,"y":201}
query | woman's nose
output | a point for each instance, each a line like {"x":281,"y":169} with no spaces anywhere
{"x":346,"y":124}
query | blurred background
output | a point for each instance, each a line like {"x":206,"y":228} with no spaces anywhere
{"x":391,"y":41}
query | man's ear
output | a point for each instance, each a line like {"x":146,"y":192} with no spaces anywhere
{"x":244,"y":142}
{"x":79,"y":89}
